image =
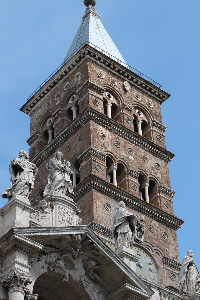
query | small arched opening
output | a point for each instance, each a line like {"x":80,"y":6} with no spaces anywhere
{"x":76,"y":175}
{"x":48,"y":134}
{"x":142,"y":183}
{"x":141,"y":124}
{"x":121,"y":176}
{"x":110,"y":104}
{"x":153,"y":193}
{"x":51,"y":286}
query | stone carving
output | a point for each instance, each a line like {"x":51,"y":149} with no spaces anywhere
{"x":127,"y":86}
{"x":77,"y":260}
{"x":66,"y":86}
{"x":16,"y":283}
{"x":23,"y":174}
{"x":189,"y":278}
{"x":137,"y":96}
{"x":59,"y":181}
{"x":101,"y":74}
{"x":78,"y":77}
{"x":127,"y":227}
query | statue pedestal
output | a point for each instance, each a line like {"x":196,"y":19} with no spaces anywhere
{"x":128,"y":256}
{"x":57,"y":211}
{"x":16,"y":213}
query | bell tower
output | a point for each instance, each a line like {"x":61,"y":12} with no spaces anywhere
{"x":105,"y":118}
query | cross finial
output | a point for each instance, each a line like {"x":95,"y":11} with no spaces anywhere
{"x":90,"y":2}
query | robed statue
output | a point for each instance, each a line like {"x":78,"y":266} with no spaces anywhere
{"x":22,"y":178}
{"x":59,"y":181}
{"x":128,"y":228}
{"x":189,"y":278}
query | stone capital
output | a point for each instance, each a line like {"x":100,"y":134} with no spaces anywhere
{"x":16,"y":281}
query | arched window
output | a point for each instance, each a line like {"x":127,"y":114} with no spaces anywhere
{"x":115,"y":173}
{"x":121,"y":176}
{"x":48,"y":134}
{"x":153,"y":192}
{"x":76,"y":175}
{"x":111,"y":108}
{"x":140,"y":122}
{"x":142,"y":182}
{"x":73,"y":108}
{"x":111,"y":168}
{"x":148,"y":190}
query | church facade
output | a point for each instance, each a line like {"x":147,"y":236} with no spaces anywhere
{"x":91,"y":215}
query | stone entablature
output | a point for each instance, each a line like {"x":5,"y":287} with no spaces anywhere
{"x":172,"y":263}
{"x":166,"y":191}
{"x":159,"y":126}
{"x":94,"y":182}
{"x":88,"y":51}
{"x":110,"y":125}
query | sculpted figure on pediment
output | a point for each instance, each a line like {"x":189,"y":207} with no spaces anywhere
{"x":128,"y":228}
{"x":22,"y":178}
{"x":189,"y":278}
{"x":59,"y":182}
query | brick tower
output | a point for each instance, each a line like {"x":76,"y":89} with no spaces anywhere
{"x":106,"y":120}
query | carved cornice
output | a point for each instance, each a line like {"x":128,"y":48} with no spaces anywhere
{"x":92,"y":86}
{"x":13,"y":242}
{"x":172,"y":263}
{"x":159,"y":125}
{"x":89,"y":52}
{"x":98,"y":184}
{"x":92,"y":152}
{"x":33,"y":137}
{"x":166,"y":191}
{"x":110,"y":125}
{"x":101,"y":229}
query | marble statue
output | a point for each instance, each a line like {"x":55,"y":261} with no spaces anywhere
{"x":59,"y":182}
{"x":23,"y":174}
{"x":127,"y":227}
{"x":189,"y":277}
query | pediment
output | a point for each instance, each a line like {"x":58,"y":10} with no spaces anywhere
{"x":77,"y":254}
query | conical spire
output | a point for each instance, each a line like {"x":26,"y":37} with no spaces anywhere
{"x":93,"y":33}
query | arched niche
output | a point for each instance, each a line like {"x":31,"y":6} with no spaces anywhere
{"x":111,"y":105}
{"x":121,"y":174}
{"x":153,"y":192}
{"x":142,"y":123}
{"x":50,"y":286}
{"x":72,"y":107}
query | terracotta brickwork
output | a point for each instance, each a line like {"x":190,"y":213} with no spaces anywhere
{"x":71,"y":113}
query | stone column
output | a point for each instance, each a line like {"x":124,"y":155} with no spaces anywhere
{"x":146,"y":189}
{"x":74,"y":110}
{"x":108,"y":105}
{"x":74,"y":179}
{"x":16,"y":284}
{"x":139,"y":126}
{"x":50,"y":132}
{"x":16,"y":293}
{"x":115,"y":175}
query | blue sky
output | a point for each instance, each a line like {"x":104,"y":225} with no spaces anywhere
{"x":158,"y":37}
